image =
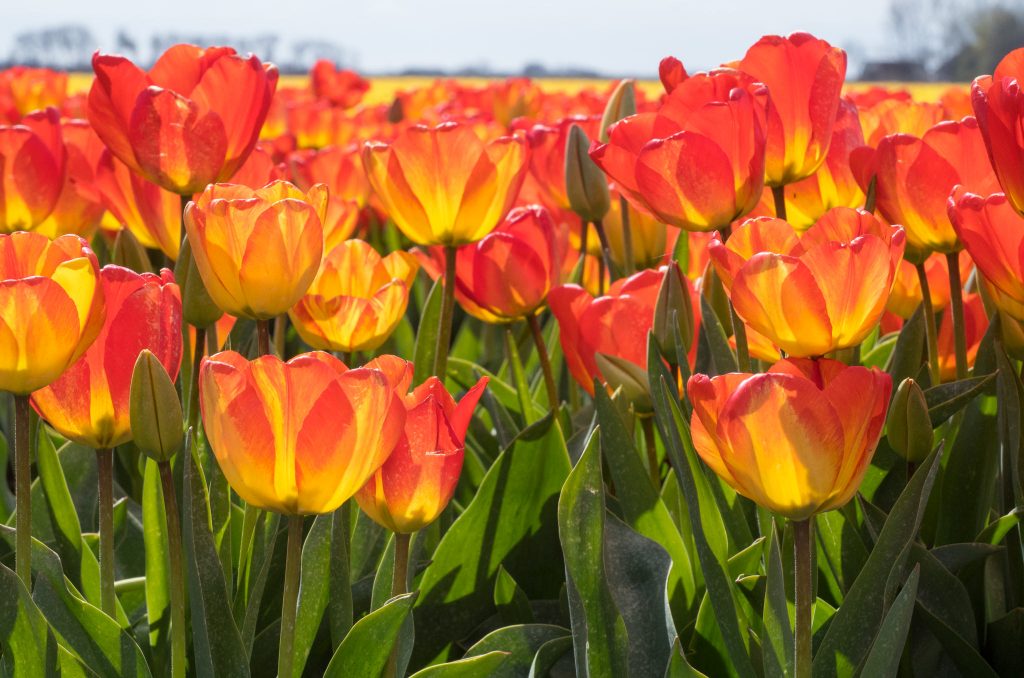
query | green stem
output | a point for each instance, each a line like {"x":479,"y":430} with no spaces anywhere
{"x":444,"y":327}
{"x":193,"y":395}
{"x":956,"y":290}
{"x":802,"y":600}
{"x":606,"y":250}
{"x":930,"y":332}
{"x":105,"y":478}
{"x":289,"y":600}
{"x":518,"y":375}
{"x":178,"y":629}
{"x":23,"y":487}
{"x":545,"y":361}
{"x":627,"y":237}
{"x":399,"y":585}
{"x":779,"y":195}
{"x":250,"y":518}
{"x":263,"y":337}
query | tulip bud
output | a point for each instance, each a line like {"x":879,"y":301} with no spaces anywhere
{"x":154,"y":409}
{"x":713,"y":290}
{"x":130,"y":253}
{"x":197,"y":308}
{"x":585,"y":184}
{"x":674,"y":309}
{"x":620,"y":373}
{"x":621,"y":104}
{"x":1012,"y":332}
{"x":909,"y":426}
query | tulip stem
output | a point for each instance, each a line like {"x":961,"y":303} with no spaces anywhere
{"x":956,"y":290}
{"x":193,"y":394}
{"x":779,"y":195}
{"x":803,"y":596}
{"x":627,"y":237}
{"x":930,"y":332}
{"x":23,"y":487}
{"x":105,"y":478}
{"x":399,"y":585}
{"x":545,"y":361}
{"x":263,"y":337}
{"x":290,"y":597}
{"x":178,"y":629}
{"x":444,"y":327}
{"x":606,"y":251}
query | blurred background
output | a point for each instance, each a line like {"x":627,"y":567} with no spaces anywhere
{"x":908,"y":40}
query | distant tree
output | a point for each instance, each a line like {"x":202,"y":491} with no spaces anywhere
{"x":993,"y":33}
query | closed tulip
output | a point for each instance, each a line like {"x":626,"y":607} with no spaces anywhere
{"x":814,"y":294}
{"x":418,"y":480}
{"x":357,"y":298}
{"x":805,"y":78}
{"x":51,"y":311}
{"x":32,"y":168}
{"x":89,"y":403}
{"x":191,"y":120}
{"x":796,"y":440}
{"x":150,"y":213}
{"x":999,"y":106}
{"x":444,"y":185}
{"x":301,"y":436}
{"x":257,"y":250}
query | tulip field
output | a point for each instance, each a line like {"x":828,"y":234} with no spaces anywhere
{"x":714,"y":375}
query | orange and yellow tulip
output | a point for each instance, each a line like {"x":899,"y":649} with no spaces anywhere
{"x":150,"y":213}
{"x":79,"y":209}
{"x":999,"y":106}
{"x":257,"y":250}
{"x":357,"y":298}
{"x":445,"y":186}
{"x":190,"y":121}
{"x":89,"y":402}
{"x":813,"y":294}
{"x":796,"y":440}
{"x":418,"y":480}
{"x":301,"y":436}
{"x":906,"y":290}
{"x":24,"y":89}
{"x":339,"y":86}
{"x":32,"y":170}
{"x":51,"y":309}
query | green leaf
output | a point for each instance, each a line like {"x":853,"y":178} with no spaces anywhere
{"x":521,"y":642}
{"x":955,"y":557}
{"x":314,"y":588}
{"x":908,"y":355}
{"x":519,"y":376}
{"x":959,"y":650}
{"x":884,"y":658}
{"x":549,"y":654}
{"x":842,"y":547}
{"x":996,"y":531}
{"x":481,"y":666}
{"x":851,"y":632}
{"x":599,"y":632}
{"x":158,"y":587}
{"x":723,"y":360}
{"x":947,"y":399}
{"x":880,"y":353}
{"x":511,"y":519}
{"x":339,"y":603}
{"x":512,"y":604}
{"x":426,"y":335}
{"x":366,"y":648}
{"x":679,"y":667}
{"x":1003,"y":643}
{"x":777,"y":644}
{"x":23,"y":630}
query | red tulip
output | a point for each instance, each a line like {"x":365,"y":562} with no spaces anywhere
{"x":339,"y":86}
{"x":32,"y":168}
{"x":999,"y":105}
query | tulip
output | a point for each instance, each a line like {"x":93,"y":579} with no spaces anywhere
{"x":24,"y":89}
{"x":548,"y":145}
{"x":257,"y":251}
{"x":443,"y":185}
{"x":815,"y":294}
{"x":150,"y":213}
{"x":804,"y":76}
{"x":32,"y":169}
{"x":357,"y":298}
{"x":190,"y":121}
{"x":341,"y":87}
{"x":999,"y":106}
{"x":259,"y":169}
{"x":79,"y":209}
{"x":906,"y":290}
{"x":671,"y":72}
{"x":418,"y":480}
{"x":341,"y":169}
{"x":897,"y":115}
{"x":637,"y":240}
{"x":975,"y":326}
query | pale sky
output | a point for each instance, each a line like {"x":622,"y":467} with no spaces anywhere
{"x":627,"y":36}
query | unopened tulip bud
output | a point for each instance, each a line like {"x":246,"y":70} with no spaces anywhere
{"x":909,"y":426}
{"x":130,"y":253}
{"x":585,"y":184}
{"x":674,"y":309}
{"x":197,"y":307}
{"x":1012,"y":332}
{"x":154,"y":410}
{"x":621,"y":104}
{"x":622,"y":374}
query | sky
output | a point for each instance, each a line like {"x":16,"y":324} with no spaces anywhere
{"x":626,"y":37}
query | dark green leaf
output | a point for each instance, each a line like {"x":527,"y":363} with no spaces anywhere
{"x":947,"y":399}
{"x":908,"y":355}
{"x":777,"y":644}
{"x":314,"y":588}
{"x":521,"y":642}
{"x":366,"y":648}
{"x":884,"y":658}
{"x":426,"y":335}
{"x":512,"y":604}
{"x":481,"y":666}
{"x":723,"y":360}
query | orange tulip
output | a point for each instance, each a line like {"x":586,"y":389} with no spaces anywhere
{"x":418,"y":480}
{"x":257,"y":250}
{"x":805,"y":77}
{"x":999,"y":105}
{"x":975,"y":326}
{"x":815,"y":294}
{"x":150,"y":213}
{"x":341,"y":87}
{"x":547,"y":157}
{"x":671,"y":72}
{"x":51,"y":310}
{"x":341,"y":170}
{"x":650,"y":239}
{"x":190,"y":121}
{"x":89,"y":402}
{"x":915,"y":177}
{"x":32,"y":169}
{"x":443,"y":185}
{"x":357,"y":298}
{"x":301,"y":436}
{"x":259,"y":169}
{"x":906,"y":290}
{"x":24,"y":89}
{"x":887,"y":115}
{"x":79,"y":208}
{"x":796,"y":440}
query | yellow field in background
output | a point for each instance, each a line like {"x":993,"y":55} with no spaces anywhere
{"x":382,"y":89}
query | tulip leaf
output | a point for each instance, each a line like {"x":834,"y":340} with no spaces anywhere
{"x":549,"y":654}
{"x":777,"y":643}
{"x":884,"y":658}
{"x":471,"y":667}
{"x":996,"y":531}
{"x":1002,"y":647}
{"x":879,"y":354}
{"x":842,"y":546}
{"x":850,"y":634}
{"x":1009,"y":416}
{"x":158,"y":587}
{"x":339,"y":602}
{"x":215,"y":638}
{"x":947,"y":399}
{"x":267,"y":537}
{"x":515,"y":364}
{"x":426,"y":334}
{"x":521,"y":643}
{"x":908,"y":355}
{"x":723,"y":360}
{"x":680,"y":668}
{"x":465,"y":374}
{"x":510,"y":520}
{"x":512,"y":604}
{"x":955,"y":557}
{"x":599,"y":632}
{"x":314,"y":588}
{"x":366,"y":648}
{"x":23,"y":630}
{"x":963,"y":654}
